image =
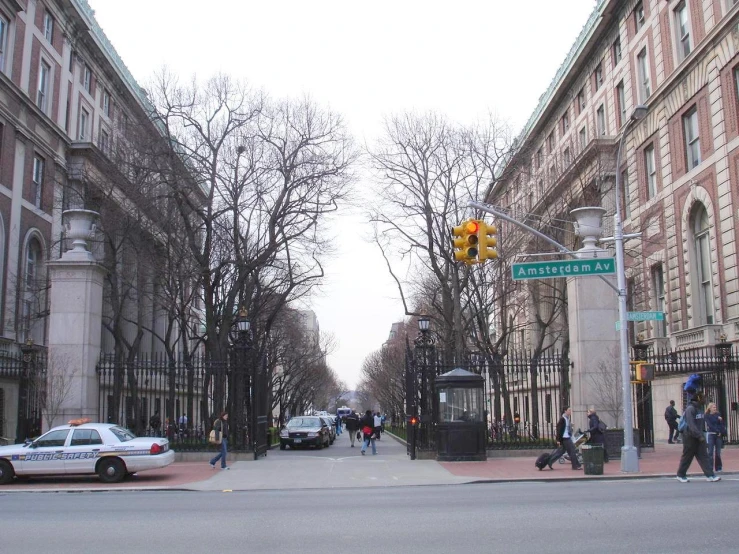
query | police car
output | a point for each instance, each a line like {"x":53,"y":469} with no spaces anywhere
{"x":80,"y":448}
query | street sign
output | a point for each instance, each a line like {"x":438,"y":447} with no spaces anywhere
{"x":642,"y":316}
{"x":563,"y":268}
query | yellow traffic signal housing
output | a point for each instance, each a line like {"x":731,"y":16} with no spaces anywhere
{"x":486,"y":242}
{"x":643,"y":371}
{"x":465,"y":241}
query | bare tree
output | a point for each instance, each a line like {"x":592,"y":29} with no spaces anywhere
{"x":60,"y":376}
{"x":605,"y":384}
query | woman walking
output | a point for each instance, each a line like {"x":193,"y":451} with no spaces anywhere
{"x":368,"y":432}
{"x":221,"y":427}
{"x":715,"y":430}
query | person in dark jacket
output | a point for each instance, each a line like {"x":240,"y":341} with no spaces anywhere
{"x":694,"y":438}
{"x":221,"y":427}
{"x":367,"y":424}
{"x":597,"y":436}
{"x":564,"y":439}
{"x":352,"y":426}
{"x":715,"y":431}
{"x":671,"y":419}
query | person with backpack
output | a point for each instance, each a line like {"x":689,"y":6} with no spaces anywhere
{"x":597,"y":431}
{"x":221,"y":428}
{"x":693,"y":430}
{"x":671,"y":419}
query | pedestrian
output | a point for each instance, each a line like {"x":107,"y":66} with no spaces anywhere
{"x":338,"y":425}
{"x":155,"y":422}
{"x":182,"y":422}
{"x":597,"y":432}
{"x":377,"y":425}
{"x":564,"y":439}
{"x":221,"y":427}
{"x":715,"y":431}
{"x":671,"y":418}
{"x":352,"y":426}
{"x":694,"y":438}
{"x":368,"y":432}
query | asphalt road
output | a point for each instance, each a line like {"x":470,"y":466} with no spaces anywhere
{"x":653,"y":516}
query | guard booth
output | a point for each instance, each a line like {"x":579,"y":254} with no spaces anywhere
{"x":460,"y":431}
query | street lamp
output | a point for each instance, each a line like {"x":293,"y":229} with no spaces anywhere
{"x":629,"y":455}
{"x":423,"y":324}
{"x":241,"y":339}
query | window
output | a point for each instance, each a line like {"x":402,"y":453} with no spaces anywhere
{"x":645,"y":87}
{"x":43,"y":85}
{"x":658,"y":290}
{"x":616,"y":49}
{"x":565,"y":122}
{"x":601,"y":120}
{"x":581,"y":104}
{"x":567,"y":156}
{"x":701,"y":268}
{"x":639,"y":16}
{"x":33,"y":259}
{"x":85,"y":437}
{"x":598,"y":76}
{"x":583,"y":138}
{"x":4,"y":28}
{"x":31,"y":325}
{"x":53,"y":438}
{"x":106,"y":103}
{"x":550,"y":142}
{"x":539,"y":157}
{"x":48,"y":26}
{"x":650,"y":167}
{"x":621,"y":103}
{"x":626,"y":191}
{"x":736,"y":80}
{"x":37,"y":180}
{"x":541,"y":188}
{"x":87,"y":78}
{"x":84,"y":122}
{"x":104,"y":141}
{"x":683,"y":31}
{"x":692,"y":139}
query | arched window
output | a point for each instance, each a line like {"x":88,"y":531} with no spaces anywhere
{"x":33,"y":294}
{"x":701,"y":266}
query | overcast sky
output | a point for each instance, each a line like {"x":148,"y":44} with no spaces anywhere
{"x":365,"y":60}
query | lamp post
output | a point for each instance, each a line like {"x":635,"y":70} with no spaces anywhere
{"x":241,"y":340}
{"x":629,"y":455}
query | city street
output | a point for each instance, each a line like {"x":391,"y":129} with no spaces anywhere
{"x":653,"y":515}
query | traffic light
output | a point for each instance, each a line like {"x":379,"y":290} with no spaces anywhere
{"x":465,"y":241}
{"x":486,"y":241}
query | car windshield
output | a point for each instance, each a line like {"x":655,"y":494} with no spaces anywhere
{"x":123,"y":435}
{"x":304,"y":422}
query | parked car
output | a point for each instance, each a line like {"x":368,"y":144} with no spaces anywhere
{"x":305,"y":431}
{"x":331,"y":428}
{"x":81,"y":448}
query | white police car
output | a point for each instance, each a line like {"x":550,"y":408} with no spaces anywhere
{"x":81,"y":448}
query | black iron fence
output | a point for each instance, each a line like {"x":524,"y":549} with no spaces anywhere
{"x":181,"y":398}
{"x":26,"y":372}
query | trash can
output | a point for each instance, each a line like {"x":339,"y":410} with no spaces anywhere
{"x":592,"y":459}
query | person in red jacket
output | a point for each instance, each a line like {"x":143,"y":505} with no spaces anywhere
{"x":367,"y":424}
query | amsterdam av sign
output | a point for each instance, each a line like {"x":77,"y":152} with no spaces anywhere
{"x":563,"y":268}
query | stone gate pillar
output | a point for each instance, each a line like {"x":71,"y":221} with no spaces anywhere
{"x":75,"y":322}
{"x":594,"y":343}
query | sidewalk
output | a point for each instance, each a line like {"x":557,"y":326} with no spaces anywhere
{"x":345,"y":467}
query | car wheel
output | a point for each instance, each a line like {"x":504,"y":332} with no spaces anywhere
{"x":282,"y":446}
{"x":6,"y":472}
{"x":111,"y":470}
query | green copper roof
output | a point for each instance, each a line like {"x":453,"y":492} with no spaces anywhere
{"x":572,"y":55}
{"x":89,"y":16}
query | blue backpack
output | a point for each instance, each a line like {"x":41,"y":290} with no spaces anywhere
{"x":683,"y":425}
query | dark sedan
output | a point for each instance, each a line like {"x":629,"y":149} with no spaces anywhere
{"x":305,"y":431}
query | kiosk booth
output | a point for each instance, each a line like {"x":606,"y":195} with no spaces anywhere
{"x":460,"y":430}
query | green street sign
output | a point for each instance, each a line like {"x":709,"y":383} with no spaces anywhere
{"x":563,"y":268}
{"x":642,"y":316}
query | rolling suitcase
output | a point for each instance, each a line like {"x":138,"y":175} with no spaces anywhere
{"x":545,"y":459}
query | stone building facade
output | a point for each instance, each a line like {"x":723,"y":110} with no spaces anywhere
{"x":680,"y":59}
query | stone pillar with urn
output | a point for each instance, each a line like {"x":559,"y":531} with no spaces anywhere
{"x":75,"y":319}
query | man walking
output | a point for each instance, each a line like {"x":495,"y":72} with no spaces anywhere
{"x":564,"y":438}
{"x":694,"y":438}
{"x":352,"y":426}
{"x":368,"y":433}
{"x":671,"y":419}
{"x":377,"y":425}
{"x":597,"y":432}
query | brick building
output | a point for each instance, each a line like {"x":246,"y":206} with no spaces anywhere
{"x":679,"y":58}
